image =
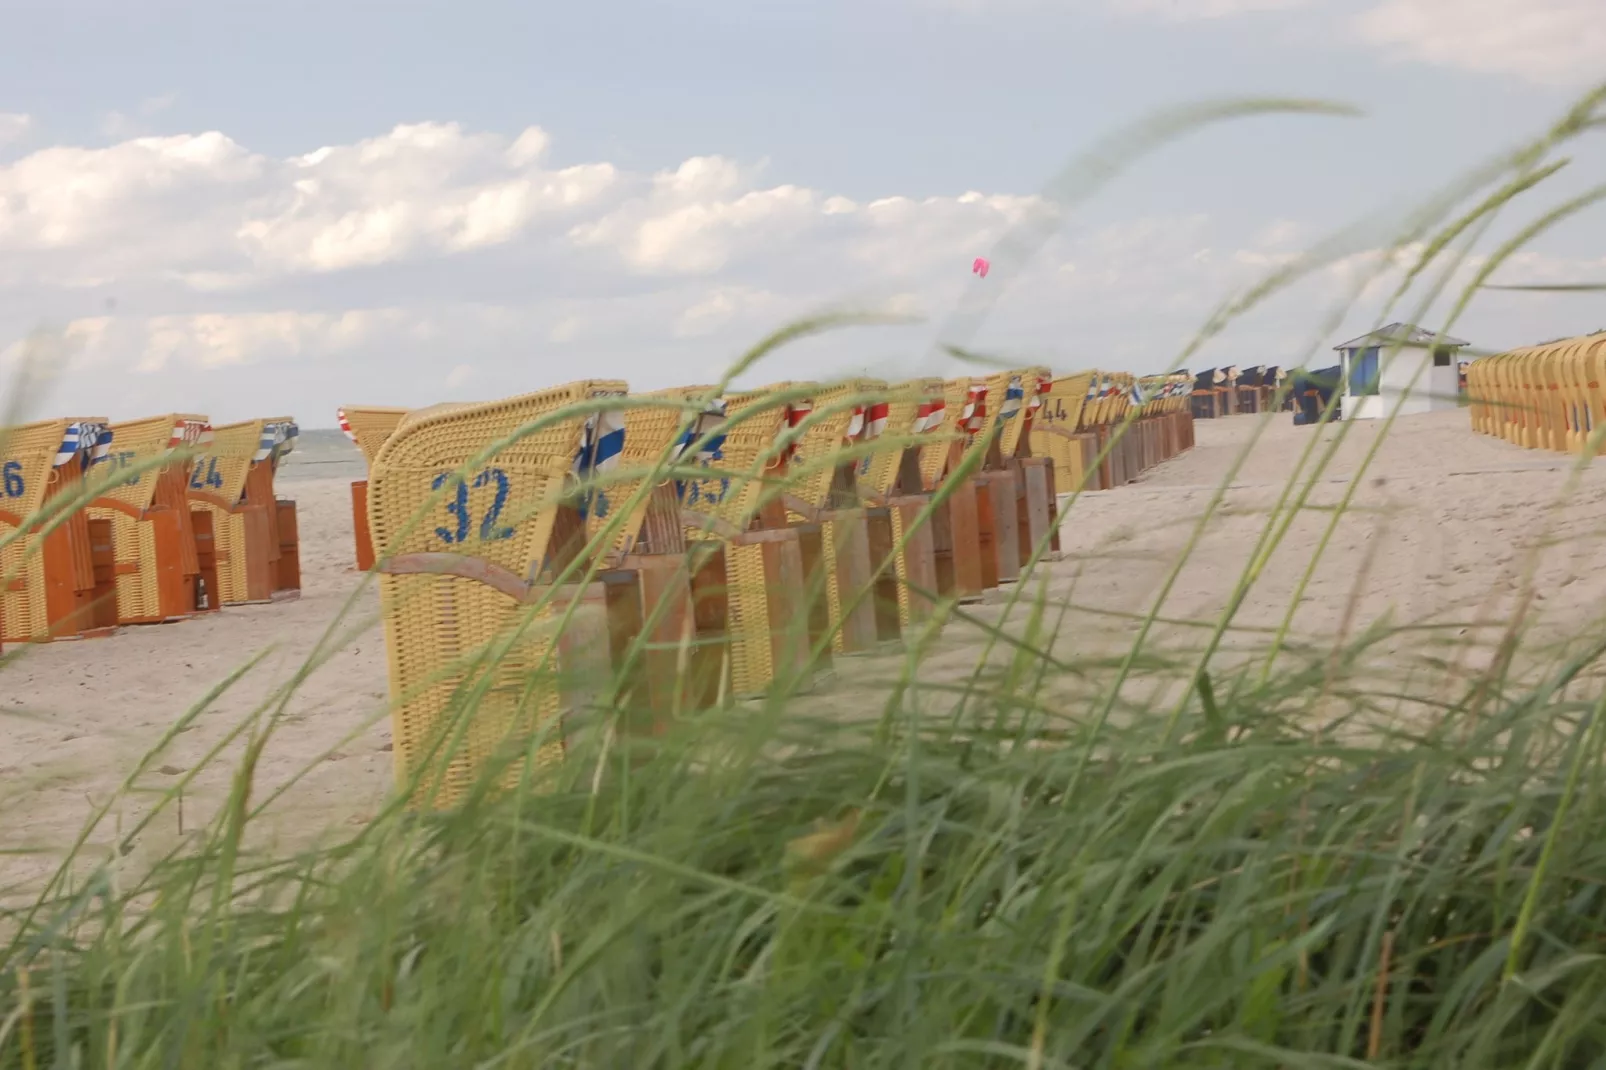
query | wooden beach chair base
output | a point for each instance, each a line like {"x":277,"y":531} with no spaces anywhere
{"x":287,"y":566}
{"x":652,"y":589}
{"x":957,"y":547}
{"x":836,"y":568}
{"x":73,"y":588}
{"x":1000,"y":537}
{"x":359,"y":524}
{"x":905,"y":587}
{"x":1035,"y":507}
{"x":749,"y":603}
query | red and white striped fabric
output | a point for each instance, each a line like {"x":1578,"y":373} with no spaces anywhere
{"x":190,"y":433}
{"x":875,"y":421}
{"x":930,"y":415}
{"x":855,"y":425}
{"x":796,"y":413}
{"x":345,"y":424}
{"x":1035,"y":402}
{"x":974,"y":415}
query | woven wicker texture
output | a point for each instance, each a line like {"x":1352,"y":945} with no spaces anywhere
{"x":649,"y":432}
{"x":823,"y":436}
{"x":943,"y":432}
{"x":455,"y":644}
{"x":371,"y":425}
{"x":27,"y":457}
{"x":732,"y":492}
{"x":135,"y":442}
{"x":1059,"y":417}
{"x":1010,"y":432}
{"x":736,"y":481}
{"x":878,"y":472}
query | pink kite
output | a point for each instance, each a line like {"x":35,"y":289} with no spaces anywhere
{"x":980,"y":267}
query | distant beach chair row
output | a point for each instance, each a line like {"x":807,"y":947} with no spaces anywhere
{"x":1546,"y":397}
{"x":139,"y":522}
{"x":1235,"y":391}
{"x":729,"y":543}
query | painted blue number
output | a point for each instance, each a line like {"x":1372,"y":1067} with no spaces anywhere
{"x":457,"y":507}
{"x":205,"y":474}
{"x":11,"y":479}
{"x":488,"y":528}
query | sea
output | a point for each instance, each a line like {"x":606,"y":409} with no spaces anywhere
{"x":323,"y":454}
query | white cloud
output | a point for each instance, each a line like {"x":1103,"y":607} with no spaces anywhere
{"x":1558,"y":42}
{"x":434,"y":259}
{"x":14,"y":126}
{"x":204,"y":209}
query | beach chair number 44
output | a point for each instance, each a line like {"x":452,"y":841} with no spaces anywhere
{"x":1053,"y":413}
{"x":457,"y":507}
{"x":11,"y":481}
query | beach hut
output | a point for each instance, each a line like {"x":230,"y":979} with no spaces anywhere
{"x":166,"y":566}
{"x":1400,"y":367}
{"x":59,"y":583}
{"x":257,"y":547}
{"x":368,"y":426}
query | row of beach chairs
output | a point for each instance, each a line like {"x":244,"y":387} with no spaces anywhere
{"x":140,"y":522}
{"x":1546,"y":397}
{"x":729,"y":543}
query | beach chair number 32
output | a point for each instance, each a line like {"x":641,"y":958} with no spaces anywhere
{"x":457,"y":507}
{"x":11,"y":481}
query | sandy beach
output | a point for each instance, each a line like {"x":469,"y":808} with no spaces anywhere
{"x":1437,"y":533}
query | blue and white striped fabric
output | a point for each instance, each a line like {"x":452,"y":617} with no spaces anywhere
{"x":1136,"y":397}
{"x":277,"y":440}
{"x":1093,"y":388}
{"x":711,"y":417}
{"x":68,"y":450}
{"x":1014,"y":396}
{"x":88,"y":441}
{"x":602,"y":440}
{"x":711,"y":449}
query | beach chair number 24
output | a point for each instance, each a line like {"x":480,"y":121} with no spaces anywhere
{"x":11,"y":481}
{"x":457,"y":507}
{"x":206,"y":474}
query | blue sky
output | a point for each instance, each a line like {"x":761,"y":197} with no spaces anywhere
{"x":699,"y":172}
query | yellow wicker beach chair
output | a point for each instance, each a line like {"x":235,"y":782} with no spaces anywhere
{"x":61,"y":584}
{"x":981,"y":420}
{"x":465,"y":525}
{"x":748,"y":590}
{"x":255,"y":533}
{"x":643,"y":553}
{"x":164,"y":572}
{"x":888,"y":480}
{"x":822,"y":504}
{"x":1056,"y":430}
{"x":368,"y":426}
{"x":956,"y":524}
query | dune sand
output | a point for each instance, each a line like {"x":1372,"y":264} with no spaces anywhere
{"x":1438,"y":531}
